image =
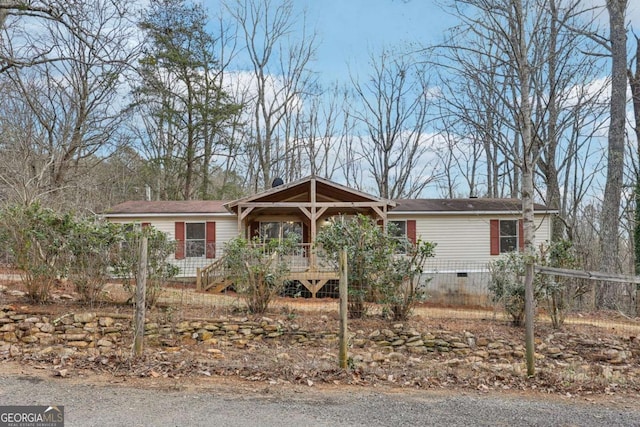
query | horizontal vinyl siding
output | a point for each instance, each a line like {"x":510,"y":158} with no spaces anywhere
{"x":464,"y":237}
{"x":460,"y":238}
{"x":226,"y":229}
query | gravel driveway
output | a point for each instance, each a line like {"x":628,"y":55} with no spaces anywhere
{"x":88,"y":403}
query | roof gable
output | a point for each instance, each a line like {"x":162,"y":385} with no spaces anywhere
{"x":305,"y":190}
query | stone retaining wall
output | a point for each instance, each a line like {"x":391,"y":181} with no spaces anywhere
{"x":22,"y":333}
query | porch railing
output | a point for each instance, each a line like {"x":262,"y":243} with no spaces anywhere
{"x":215,"y":275}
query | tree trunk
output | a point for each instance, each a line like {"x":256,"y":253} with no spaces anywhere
{"x":528,"y":168}
{"x":610,"y":218}
{"x":634,"y":83}
{"x":551,"y":144}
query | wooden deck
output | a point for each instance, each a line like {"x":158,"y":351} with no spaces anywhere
{"x":213,"y":278}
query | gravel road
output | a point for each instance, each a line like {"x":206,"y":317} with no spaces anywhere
{"x":99,"y":404}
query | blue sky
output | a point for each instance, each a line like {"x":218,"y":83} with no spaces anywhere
{"x":348,"y":30}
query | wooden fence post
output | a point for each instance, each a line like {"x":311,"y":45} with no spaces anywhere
{"x":141,"y":285}
{"x":343,"y":309}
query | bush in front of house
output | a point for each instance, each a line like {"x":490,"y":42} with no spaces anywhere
{"x":127,"y":259}
{"x":560,"y":292}
{"x":557,"y":293}
{"x":91,"y":249}
{"x":369,"y":253}
{"x":37,"y":239}
{"x":400,"y":284}
{"x":258,"y":269}
{"x":507,"y":284}
{"x":47,"y":246}
{"x":377,"y":271}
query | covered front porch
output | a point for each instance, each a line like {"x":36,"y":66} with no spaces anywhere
{"x":214,"y":277}
{"x":302,"y":207}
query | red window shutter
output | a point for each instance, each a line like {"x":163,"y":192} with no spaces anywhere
{"x":411,"y":230}
{"x":211,"y":239}
{"x":521,"y":235}
{"x":146,"y":224}
{"x":179,"y":240}
{"x":494,"y":227}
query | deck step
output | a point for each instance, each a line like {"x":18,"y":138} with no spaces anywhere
{"x":218,"y":286}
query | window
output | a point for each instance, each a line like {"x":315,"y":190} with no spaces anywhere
{"x":405,"y":232}
{"x":195,"y":241}
{"x":398,"y":230}
{"x":273,"y":230}
{"x":292,"y":228}
{"x":269,"y":231}
{"x":506,"y":235}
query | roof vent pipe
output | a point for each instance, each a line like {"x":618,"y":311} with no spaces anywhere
{"x":277,"y":182}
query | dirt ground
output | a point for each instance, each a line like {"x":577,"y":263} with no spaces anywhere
{"x":282,"y":367}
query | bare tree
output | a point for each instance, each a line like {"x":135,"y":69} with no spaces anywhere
{"x":634,"y":83}
{"x":513,"y":26}
{"x":70,"y":109}
{"x":395,"y":100}
{"x":567,"y":108}
{"x":69,"y":17}
{"x":537,"y":50}
{"x":280,"y":78}
{"x":320,"y":130}
{"x":478,"y":99}
{"x":476,"y":116}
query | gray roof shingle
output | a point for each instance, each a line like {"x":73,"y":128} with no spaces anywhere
{"x":462,"y":205}
{"x":403,"y":205}
{"x":136,"y":207}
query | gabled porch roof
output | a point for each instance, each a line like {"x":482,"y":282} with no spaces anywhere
{"x":311,"y":194}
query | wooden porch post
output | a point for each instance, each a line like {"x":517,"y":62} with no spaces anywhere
{"x":240,"y":221}
{"x":314,"y":220}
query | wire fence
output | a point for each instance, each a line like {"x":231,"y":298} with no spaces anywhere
{"x":453,"y":289}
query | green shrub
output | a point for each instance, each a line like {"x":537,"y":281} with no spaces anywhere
{"x":377,"y":273}
{"x":400,"y":284}
{"x":559,"y":292}
{"x":258,"y":269}
{"x":127,"y":260}
{"x":92,"y":247}
{"x":507,"y":284}
{"x":37,"y":239}
{"x":369,"y":253}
